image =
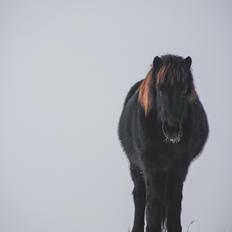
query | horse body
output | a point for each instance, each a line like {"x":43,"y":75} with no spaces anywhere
{"x":158,"y":168}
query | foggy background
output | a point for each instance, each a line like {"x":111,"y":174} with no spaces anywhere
{"x":65,"y":69}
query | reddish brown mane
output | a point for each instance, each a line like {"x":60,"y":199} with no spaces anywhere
{"x":145,"y":90}
{"x":162,"y":73}
{"x":145,"y":97}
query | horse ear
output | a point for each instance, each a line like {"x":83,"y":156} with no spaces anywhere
{"x":188,"y":61}
{"x":157,"y":62}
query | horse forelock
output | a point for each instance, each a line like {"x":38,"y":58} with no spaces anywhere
{"x":173,"y":74}
{"x":168,"y":73}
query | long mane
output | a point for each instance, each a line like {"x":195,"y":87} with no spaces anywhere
{"x":149,"y":83}
{"x":145,"y":97}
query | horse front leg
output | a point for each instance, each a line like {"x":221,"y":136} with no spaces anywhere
{"x":139,"y":195}
{"x":174,"y":198}
{"x":155,"y":210}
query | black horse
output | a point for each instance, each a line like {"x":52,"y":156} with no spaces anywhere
{"x":162,"y":128}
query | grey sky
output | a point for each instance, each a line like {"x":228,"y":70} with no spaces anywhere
{"x":65,"y":68}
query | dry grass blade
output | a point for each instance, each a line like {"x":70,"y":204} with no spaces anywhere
{"x":190,"y":225}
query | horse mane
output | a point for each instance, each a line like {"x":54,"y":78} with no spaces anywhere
{"x":145,"y":96}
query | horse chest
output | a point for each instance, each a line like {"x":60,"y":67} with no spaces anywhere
{"x":163,"y":156}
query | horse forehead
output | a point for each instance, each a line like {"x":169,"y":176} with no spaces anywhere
{"x":171,"y":71}
{"x":174,"y":86}
{"x":175,"y":70}
{"x":174,"y":82}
